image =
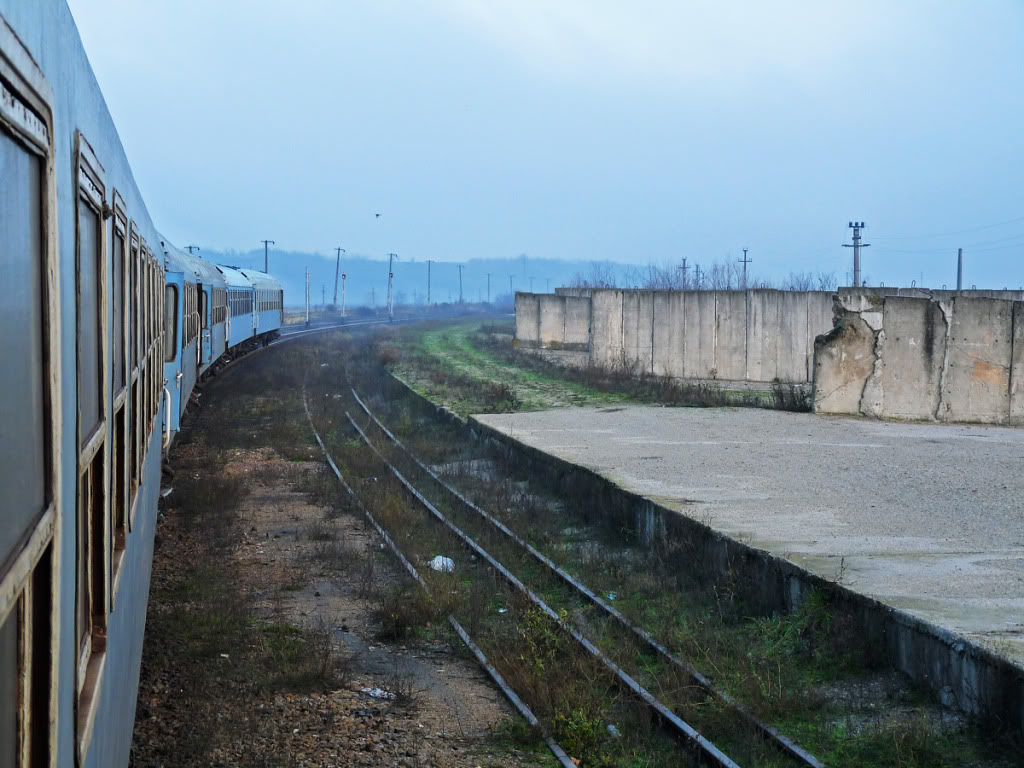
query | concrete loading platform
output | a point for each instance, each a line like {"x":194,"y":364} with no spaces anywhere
{"x":924,"y":518}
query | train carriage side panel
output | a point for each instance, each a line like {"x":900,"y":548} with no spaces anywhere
{"x":75,"y":180}
{"x":241,"y":316}
{"x":268,"y":309}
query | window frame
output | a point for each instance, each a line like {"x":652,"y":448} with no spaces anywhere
{"x":90,"y":641}
{"x":120,"y":501}
{"x":134,"y":442}
{"x":29,"y":576}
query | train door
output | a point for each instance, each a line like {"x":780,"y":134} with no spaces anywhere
{"x":174,"y":292}
{"x":205,"y":338}
{"x":255,"y":313}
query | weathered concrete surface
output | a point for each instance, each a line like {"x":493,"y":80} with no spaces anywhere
{"x":843,"y":365}
{"x":956,"y":359}
{"x":527,"y":319}
{"x":745,"y":336}
{"x":1017,"y":367}
{"x":924,"y":518}
{"x":577,"y":322}
{"x":606,"y":328}
{"x":550,"y":319}
{"x":977,"y":381}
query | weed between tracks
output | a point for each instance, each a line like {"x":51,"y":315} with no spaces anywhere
{"x":236,"y":671}
{"x":807,"y":672}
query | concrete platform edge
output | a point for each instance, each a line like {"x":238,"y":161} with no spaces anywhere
{"x":960,"y":673}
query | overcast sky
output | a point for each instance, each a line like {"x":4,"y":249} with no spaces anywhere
{"x":585,"y":129}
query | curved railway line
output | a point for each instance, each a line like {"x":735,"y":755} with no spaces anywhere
{"x":638,"y":684}
{"x":782,"y":742}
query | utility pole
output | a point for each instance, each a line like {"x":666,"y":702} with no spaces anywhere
{"x":745,"y":261}
{"x":460,"y":283}
{"x":510,"y":288}
{"x":488,"y":287}
{"x":531,"y":283}
{"x":190,"y":247}
{"x":959,"y":270}
{"x":337,"y":268}
{"x":391,"y":277}
{"x":547,"y":285}
{"x":323,"y":295}
{"x":697,"y":280}
{"x":856,"y":226}
{"x":265,"y":244}
{"x":343,"y":295}
{"x":307,"y":297}
{"x":429,"y":262}
{"x":682,"y":268}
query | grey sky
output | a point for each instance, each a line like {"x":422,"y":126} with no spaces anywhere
{"x":579,"y":128}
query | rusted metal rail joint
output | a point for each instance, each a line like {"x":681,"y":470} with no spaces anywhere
{"x":704,"y":749}
{"x":782,"y":742}
{"x":511,"y":695}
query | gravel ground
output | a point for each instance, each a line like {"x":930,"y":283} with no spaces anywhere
{"x":926,"y":517}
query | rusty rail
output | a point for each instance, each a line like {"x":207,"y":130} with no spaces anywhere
{"x":704,"y":748}
{"x":769,"y":733}
{"x":511,"y":695}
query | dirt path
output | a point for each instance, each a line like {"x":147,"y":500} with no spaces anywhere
{"x":263,"y":625}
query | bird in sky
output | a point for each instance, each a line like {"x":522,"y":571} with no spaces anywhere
{"x":377,"y":215}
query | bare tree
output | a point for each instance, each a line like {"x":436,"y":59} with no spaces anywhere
{"x":827,"y":281}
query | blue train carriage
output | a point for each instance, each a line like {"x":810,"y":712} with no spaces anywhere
{"x":241,"y":318}
{"x":194,"y":326}
{"x":269,"y":304}
{"x":82,"y":296}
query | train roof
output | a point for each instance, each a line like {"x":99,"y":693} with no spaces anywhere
{"x":261,"y":280}
{"x":234,"y":277}
{"x":177,"y":260}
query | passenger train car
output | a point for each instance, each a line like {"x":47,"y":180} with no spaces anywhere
{"x":107,"y":327}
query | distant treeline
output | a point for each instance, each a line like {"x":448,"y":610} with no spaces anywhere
{"x":367,"y":279}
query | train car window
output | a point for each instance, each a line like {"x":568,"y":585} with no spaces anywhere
{"x":119,"y":467}
{"x":22,"y":460}
{"x":119,"y":257}
{"x":92,"y":500}
{"x":29,"y":381}
{"x":90,"y":350}
{"x":171,"y":322}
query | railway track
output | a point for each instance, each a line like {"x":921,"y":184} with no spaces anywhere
{"x":520,"y":706}
{"x":770,"y":734}
{"x":702,"y":748}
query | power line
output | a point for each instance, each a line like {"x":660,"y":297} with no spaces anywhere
{"x":957,"y":232}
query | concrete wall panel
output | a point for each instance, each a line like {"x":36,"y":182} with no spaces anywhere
{"x":731,"y":334}
{"x":703,"y":336}
{"x":843,"y":361}
{"x":669,"y":333}
{"x":977,"y":382}
{"x":762,"y":328}
{"x":638,"y":329}
{"x":1017,"y":366}
{"x":913,"y":353}
{"x":527,"y":319}
{"x":551,"y":320}
{"x":577,"y":320}
{"x":606,"y":328}
{"x":794,"y":365}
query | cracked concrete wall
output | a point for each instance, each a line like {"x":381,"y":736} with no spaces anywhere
{"x":956,"y":359}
